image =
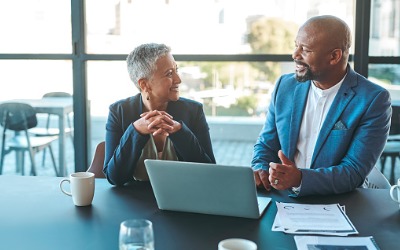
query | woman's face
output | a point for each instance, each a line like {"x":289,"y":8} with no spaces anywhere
{"x":164,"y":83}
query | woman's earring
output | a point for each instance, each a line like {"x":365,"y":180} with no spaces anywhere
{"x":147,"y":98}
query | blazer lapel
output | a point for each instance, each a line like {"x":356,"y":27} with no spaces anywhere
{"x":343,"y":97}
{"x":299,"y":104}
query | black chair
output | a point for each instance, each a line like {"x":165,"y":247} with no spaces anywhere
{"x":53,"y":131}
{"x":392,"y":147}
{"x":19,"y":118}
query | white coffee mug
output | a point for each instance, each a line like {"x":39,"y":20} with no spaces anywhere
{"x":392,"y":192}
{"x":237,"y":244}
{"x":81,"y":186}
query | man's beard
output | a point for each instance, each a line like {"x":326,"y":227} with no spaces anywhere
{"x":307,"y":76}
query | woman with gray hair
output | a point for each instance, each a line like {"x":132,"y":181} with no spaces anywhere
{"x":156,"y":123}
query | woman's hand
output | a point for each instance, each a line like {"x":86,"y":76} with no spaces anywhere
{"x":157,"y":123}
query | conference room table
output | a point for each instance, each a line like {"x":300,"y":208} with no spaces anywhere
{"x":35,"y":214}
{"x":61,"y":107}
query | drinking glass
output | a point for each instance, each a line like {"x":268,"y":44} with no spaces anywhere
{"x":136,"y":234}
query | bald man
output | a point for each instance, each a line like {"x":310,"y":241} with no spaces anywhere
{"x":326,"y":125}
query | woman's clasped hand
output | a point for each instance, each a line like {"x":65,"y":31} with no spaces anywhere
{"x":157,"y":123}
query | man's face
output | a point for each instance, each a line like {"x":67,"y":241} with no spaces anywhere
{"x":310,"y":55}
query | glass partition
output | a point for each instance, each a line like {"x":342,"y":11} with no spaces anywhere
{"x":35,"y":26}
{"x":34,"y":78}
{"x":232,"y":92}
{"x":28,"y":81}
{"x":385,"y":28}
{"x":388,"y":76}
{"x":225,"y":88}
{"x":204,"y":26}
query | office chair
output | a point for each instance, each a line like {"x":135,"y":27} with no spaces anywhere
{"x":392,"y":147}
{"x":375,"y":179}
{"x":49,"y":131}
{"x":97,"y":164}
{"x":20,"y":117}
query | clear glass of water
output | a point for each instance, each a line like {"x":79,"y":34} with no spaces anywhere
{"x":136,"y":234}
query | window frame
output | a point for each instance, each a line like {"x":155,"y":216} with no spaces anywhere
{"x":79,"y":57}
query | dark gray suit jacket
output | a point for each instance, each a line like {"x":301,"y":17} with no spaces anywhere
{"x":124,"y":144}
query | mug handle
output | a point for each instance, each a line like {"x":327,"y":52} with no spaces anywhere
{"x":392,"y":192}
{"x":61,"y":187}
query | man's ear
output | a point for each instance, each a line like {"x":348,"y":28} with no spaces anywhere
{"x":336,"y":56}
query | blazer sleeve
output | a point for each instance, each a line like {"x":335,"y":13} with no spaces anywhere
{"x":267,"y":145}
{"x":124,"y":145}
{"x":192,"y":142}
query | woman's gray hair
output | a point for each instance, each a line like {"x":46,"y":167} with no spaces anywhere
{"x":142,"y":60}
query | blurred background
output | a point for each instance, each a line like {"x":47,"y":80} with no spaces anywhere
{"x":229,"y":54}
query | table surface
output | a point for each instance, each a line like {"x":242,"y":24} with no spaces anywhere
{"x":34,"y":214}
{"x":52,"y":105}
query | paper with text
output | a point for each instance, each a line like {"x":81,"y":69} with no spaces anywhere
{"x":325,"y":219}
{"x":323,"y":242}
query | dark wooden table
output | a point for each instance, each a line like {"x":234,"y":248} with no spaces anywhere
{"x":34,"y":214}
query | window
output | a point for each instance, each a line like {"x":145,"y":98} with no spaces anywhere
{"x":240,"y":46}
{"x":35,"y":26}
{"x":385,"y":35}
{"x":385,"y":74}
{"x":33,"y":78}
{"x":204,"y":27}
{"x":195,"y":28}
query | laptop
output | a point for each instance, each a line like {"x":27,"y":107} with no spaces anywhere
{"x":205,"y":188}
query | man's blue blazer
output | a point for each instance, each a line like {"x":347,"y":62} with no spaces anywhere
{"x":350,"y":141}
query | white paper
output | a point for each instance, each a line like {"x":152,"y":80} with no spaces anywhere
{"x":326,"y":219}
{"x":322,"y":242}
{"x":277,"y":226}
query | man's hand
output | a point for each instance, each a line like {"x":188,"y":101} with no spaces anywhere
{"x":261,"y":178}
{"x":285,"y":175}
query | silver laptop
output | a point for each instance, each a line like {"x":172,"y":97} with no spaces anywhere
{"x":205,"y":188}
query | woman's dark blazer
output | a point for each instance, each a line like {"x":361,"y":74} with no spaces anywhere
{"x":124,"y":144}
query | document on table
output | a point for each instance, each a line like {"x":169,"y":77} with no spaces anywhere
{"x":324,"y":219}
{"x":323,"y":242}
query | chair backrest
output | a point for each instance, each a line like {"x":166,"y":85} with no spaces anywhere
{"x":395,"y":121}
{"x":17,"y":116}
{"x":57,"y":94}
{"x":375,"y":179}
{"x":96,"y":166}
